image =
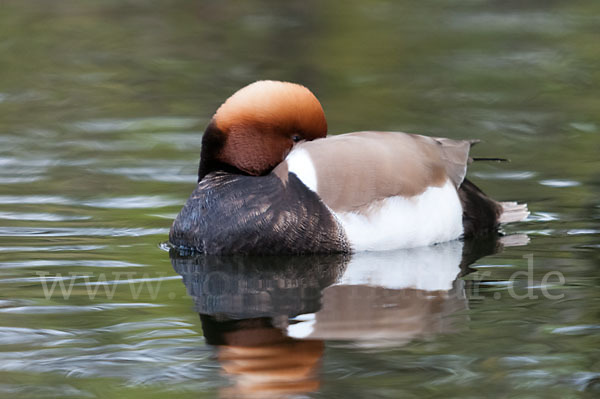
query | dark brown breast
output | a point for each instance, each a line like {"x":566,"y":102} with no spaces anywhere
{"x":229,"y":213}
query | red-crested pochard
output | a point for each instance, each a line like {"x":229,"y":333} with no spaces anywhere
{"x":271,"y":181}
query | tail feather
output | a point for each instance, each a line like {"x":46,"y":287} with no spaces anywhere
{"x":482,"y":215}
{"x":513,"y":212}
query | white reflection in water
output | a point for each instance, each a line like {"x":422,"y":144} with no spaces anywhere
{"x":426,"y":268}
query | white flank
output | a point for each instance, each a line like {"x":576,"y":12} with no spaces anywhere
{"x":301,"y":165}
{"x":398,"y":222}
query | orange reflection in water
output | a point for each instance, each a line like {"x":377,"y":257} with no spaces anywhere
{"x":261,"y":361}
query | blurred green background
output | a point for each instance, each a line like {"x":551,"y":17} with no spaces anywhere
{"x":102,"y":106}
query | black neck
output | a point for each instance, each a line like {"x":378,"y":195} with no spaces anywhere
{"x":207,"y":167}
{"x":212,"y":143}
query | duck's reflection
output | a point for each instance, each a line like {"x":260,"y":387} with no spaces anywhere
{"x":243,"y":287}
{"x":268,"y":317}
{"x":245,"y":304}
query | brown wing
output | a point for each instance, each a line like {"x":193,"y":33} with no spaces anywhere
{"x":355,"y":170}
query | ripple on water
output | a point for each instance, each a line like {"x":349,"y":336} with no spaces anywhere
{"x":83,"y":231}
{"x":136,"y":124}
{"x":579,"y":232}
{"x":583,"y":329}
{"x":36,"y":199}
{"x":41,"y":390}
{"x":19,"y":180}
{"x":167,"y":362}
{"x":129,"y":280}
{"x":585,"y":127}
{"x":58,"y":309}
{"x":516,"y":175}
{"x":160,"y":327}
{"x":179,"y":140}
{"x":135,"y":202}
{"x":145,"y":325}
{"x":532,"y":21}
{"x":168,"y":216}
{"x":53,"y":248}
{"x":43,"y":217}
{"x":543,"y":217}
{"x":127,"y":202}
{"x":161,"y":350}
{"x":143,"y":173}
{"x":52,"y":263}
{"x":559,"y":183}
{"x":28,"y":165}
{"x":20,"y":335}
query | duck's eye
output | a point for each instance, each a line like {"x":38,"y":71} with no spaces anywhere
{"x":296,"y":138}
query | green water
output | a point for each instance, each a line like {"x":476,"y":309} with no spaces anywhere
{"x":102,"y":106}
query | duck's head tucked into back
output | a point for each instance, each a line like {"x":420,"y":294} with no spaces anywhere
{"x":255,"y":129}
{"x":270,"y":182}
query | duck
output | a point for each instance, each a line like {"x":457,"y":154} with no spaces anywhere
{"x":271,"y":181}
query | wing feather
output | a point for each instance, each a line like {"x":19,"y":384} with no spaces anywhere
{"x":356,"y":170}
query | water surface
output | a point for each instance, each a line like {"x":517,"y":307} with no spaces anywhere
{"x":102,"y":107}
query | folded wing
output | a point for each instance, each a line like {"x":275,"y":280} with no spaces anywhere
{"x":352,"y":171}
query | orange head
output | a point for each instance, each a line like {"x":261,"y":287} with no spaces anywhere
{"x":258,"y":125}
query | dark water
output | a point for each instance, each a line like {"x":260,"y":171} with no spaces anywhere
{"x":102,"y":105}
